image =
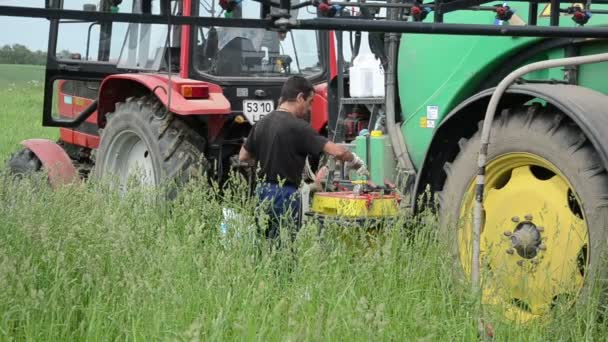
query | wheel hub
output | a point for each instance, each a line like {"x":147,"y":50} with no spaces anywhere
{"x":129,"y":160}
{"x":526,"y":239}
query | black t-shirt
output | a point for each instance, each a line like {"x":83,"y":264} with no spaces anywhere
{"x":280,"y":142}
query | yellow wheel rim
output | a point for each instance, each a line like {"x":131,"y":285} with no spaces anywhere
{"x":534,"y":240}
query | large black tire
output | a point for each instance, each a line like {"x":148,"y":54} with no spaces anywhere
{"x":173,"y":150}
{"x":532,"y":132}
{"x":24,"y":163}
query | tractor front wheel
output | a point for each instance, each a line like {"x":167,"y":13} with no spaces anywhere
{"x":24,"y":163}
{"x":143,"y":142}
{"x":543,"y":241}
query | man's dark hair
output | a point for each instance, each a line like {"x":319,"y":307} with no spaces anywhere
{"x":295,"y":85}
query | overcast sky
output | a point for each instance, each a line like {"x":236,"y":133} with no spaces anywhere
{"x":33,"y":32}
{"x":30,"y":32}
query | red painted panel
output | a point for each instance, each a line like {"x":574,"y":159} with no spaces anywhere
{"x":184,"y":58}
{"x":118,"y":87}
{"x":333,"y":56}
{"x":56,"y":162}
{"x":318,"y":108}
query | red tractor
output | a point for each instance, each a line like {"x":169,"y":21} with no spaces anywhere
{"x":166,"y":100}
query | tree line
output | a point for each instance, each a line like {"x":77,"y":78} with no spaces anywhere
{"x":20,"y":54}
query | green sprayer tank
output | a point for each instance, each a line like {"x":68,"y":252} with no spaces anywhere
{"x":438,"y":72}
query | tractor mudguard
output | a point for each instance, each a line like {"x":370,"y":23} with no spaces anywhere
{"x":54,"y":159}
{"x":117,"y":88}
{"x":318,"y":108}
{"x":585,"y":107}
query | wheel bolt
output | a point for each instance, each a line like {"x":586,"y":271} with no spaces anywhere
{"x":542,"y":247}
{"x":515,"y":219}
{"x":528,"y":217}
{"x":520,"y":262}
{"x":510,"y":251}
{"x":508,"y":233}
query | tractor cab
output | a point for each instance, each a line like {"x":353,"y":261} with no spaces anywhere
{"x":252,"y":63}
{"x":254,"y":52}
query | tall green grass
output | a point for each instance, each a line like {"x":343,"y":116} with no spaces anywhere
{"x":21,"y":113}
{"x":83,"y":263}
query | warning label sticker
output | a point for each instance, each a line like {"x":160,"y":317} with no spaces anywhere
{"x":432,"y":112}
{"x":426,"y":123}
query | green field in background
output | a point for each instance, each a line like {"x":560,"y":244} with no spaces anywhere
{"x":21,"y":98}
{"x":19,"y":74}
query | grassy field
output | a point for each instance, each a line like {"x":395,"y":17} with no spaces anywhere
{"x":21,"y":92}
{"x":82,"y":263}
{"x":19,"y":75}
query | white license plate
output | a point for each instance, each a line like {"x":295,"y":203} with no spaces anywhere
{"x":254,"y":110}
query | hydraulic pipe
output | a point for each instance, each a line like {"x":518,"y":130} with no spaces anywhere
{"x":395,"y":135}
{"x":402,"y":5}
{"x":339,"y":24}
{"x":340,"y":79}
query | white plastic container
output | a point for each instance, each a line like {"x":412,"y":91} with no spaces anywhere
{"x":366,"y":74}
{"x":378,"y":83}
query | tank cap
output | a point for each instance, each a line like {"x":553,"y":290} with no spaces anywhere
{"x":363,"y":132}
{"x":376,"y":133}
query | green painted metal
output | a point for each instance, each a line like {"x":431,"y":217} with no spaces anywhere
{"x":382,"y":163}
{"x":437,"y":72}
{"x":361,"y":151}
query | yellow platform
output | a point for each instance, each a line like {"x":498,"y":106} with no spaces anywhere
{"x":349,"y":205}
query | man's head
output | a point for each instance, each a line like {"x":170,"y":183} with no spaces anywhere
{"x":297,"y":94}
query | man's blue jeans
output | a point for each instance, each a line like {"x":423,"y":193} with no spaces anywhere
{"x":282,"y":204}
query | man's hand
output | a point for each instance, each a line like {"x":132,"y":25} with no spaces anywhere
{"x":321,"y":175}
{"x":358,"y":165}
{"x":246,"y":157}
{"x":341,"y":153}
{"x":362,"y":171}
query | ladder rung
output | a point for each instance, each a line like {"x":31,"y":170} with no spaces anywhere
{"x":363,"y":100}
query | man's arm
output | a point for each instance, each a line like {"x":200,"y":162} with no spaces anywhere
{"x":338,"y":151}
{"x":311,"y":142}
{"x":245,"y":156}
{"x":248,"y":149}
{"x":341,"y":153}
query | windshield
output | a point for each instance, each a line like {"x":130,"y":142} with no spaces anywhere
{"x":246,"y":52}
{"x":135,"y":46}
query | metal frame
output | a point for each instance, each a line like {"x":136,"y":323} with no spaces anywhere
{"x":339,"y":24}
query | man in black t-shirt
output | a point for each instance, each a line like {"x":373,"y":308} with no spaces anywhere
{"x":280,"y":143}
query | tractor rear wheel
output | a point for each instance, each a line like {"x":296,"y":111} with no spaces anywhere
{"x":546,"y":207}
{"x":143,"y":142}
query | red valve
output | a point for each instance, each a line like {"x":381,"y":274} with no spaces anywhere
{"x":326,"y":8}
{"x":419,"y":13}
{"x":504,"y":13}
{"x":228,"y":5}
{"x":579,"y":15}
